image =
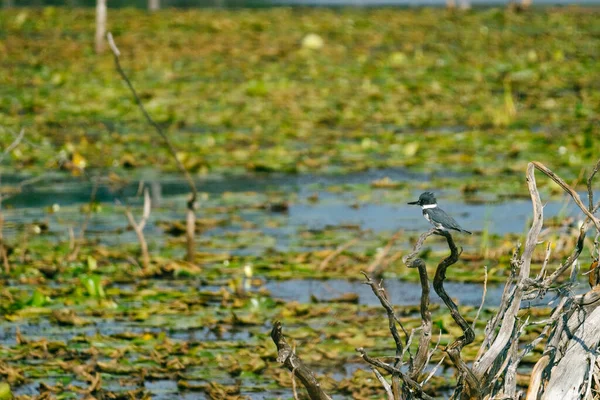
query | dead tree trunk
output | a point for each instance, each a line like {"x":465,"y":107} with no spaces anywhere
{"x":153,"y":5}
{"x":100,"y":25}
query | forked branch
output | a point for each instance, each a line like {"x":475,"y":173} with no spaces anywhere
{"x":138,"y":227}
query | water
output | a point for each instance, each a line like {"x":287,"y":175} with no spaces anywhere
{"x":399,"y":293}
{"x":249,"y":199}
{"x":240,"y":201}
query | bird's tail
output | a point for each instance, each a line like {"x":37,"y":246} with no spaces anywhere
{"x":466,"y":231}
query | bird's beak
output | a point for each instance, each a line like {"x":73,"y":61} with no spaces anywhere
{"x":414,"y":202}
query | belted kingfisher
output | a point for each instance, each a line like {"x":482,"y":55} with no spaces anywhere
{"x":435,"y":215}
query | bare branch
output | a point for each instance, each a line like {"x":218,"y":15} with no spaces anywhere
{"x":485,"y":278}
{"x":379,"y":263}
{"x":535,"y":381}
{"x":336,"y":253}
{"x":508,"y":321}
{"x":13,"y":145}
{"x":294,"y":391}
{"x":379,"y":291}
{"x":422,"y":355}
{"x":287,"y":357}
{"x":139,"y":229}
{"x":409,"y":258}
{"x":414,"y":386}
{"x":546,"y":259}
{"x":191,"y":204}
{"x":589,"y":186}
{"x":433,"y":370}
{"x":541,"y":167}
{"x":384,"y":383}
{"x":456,"y":347}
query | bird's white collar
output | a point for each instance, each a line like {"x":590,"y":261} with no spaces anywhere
{"x":426,"y":206}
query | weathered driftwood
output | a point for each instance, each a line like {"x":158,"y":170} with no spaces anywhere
{"x":483,"y":366}
{"x":567,"y":369}
{"x":571,"y":372}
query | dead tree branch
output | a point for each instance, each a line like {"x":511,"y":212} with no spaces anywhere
{"x":138,"y":227}
{"x":468,"y":335}
{"x":422,"y":356}
{"x":414,"y":387}
{"x":542,"y":168}
{"x":331,"y":256}
{"x":483,"y":365}
{"x":191,"y":204}
{"x":380,"y":262}
{"x":379,"y":291}
{"x":287,"y":357}
{"x":384,"y":383}
{"x":589,"y":186}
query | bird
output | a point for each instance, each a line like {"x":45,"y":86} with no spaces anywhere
{"x":435,"y":215}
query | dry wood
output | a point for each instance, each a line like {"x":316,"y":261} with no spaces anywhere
{"x":414,"y":386}
{"x":100,"y":25}
{"x":287,"y":357}
{"x":482,"y":366}
{"x":380,"y":262}
{"x":473,"y":389}
{"x":423,"y":355}
{"x":589,"y":186}
{"x":191,"y":203}
{"x":379,"y":291}
{"x":541,"y":167}
{"x":331,"y":256}
{"x":567,"y":368}
{"x":384,"y":383}
{"x":567,"y":380}
{"x":138,"y":227}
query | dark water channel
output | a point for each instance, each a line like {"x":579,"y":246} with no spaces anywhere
{"x":333,"y":208}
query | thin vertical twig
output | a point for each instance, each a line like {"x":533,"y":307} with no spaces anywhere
{"x":138,"y":228}
{"x":485,"y":279}
{"x":191,"y":203}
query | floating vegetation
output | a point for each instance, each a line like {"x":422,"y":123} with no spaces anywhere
{"x":306,"y":129}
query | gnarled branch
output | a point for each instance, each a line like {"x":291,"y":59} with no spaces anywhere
{"x":286,"y":356}
{"x":468,"y":335}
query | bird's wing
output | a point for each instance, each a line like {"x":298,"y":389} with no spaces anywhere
{"x":440,"y":215}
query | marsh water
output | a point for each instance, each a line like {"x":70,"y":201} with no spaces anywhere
{"x":312,"y":203}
